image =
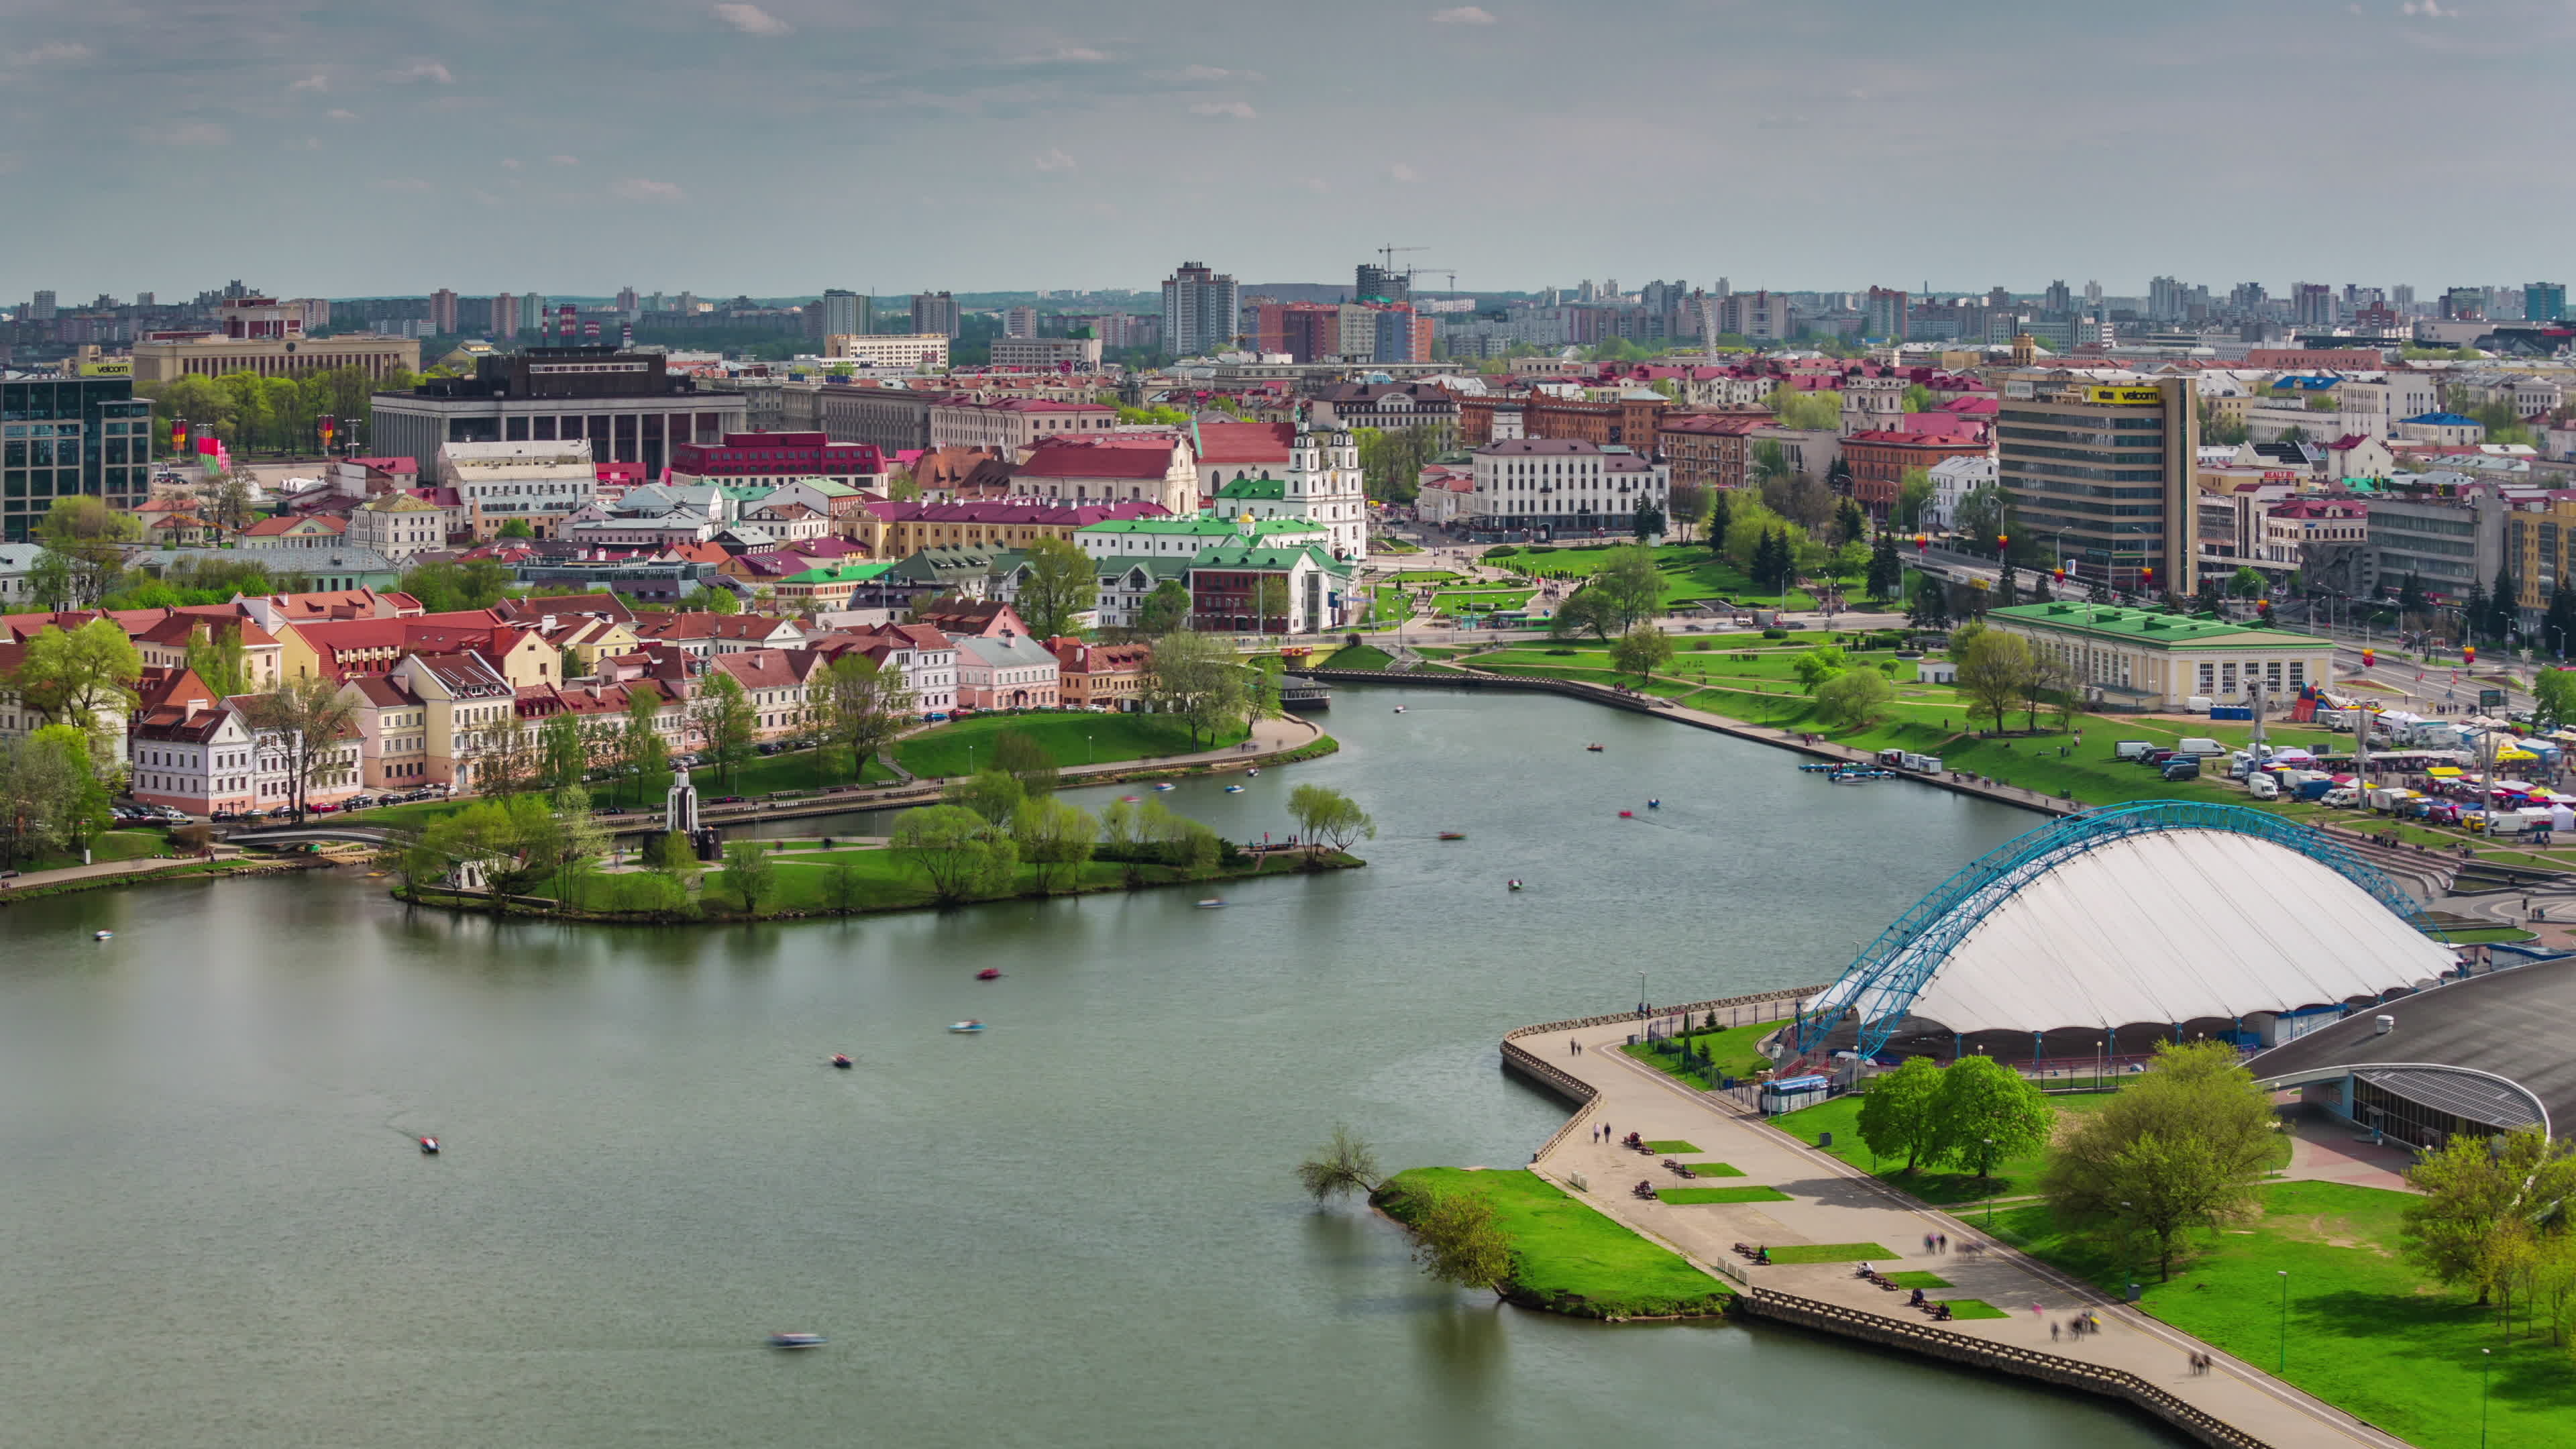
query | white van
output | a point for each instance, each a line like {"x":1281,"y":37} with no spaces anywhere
{"x":2202,"y":748}
{"x":2263,"y":787}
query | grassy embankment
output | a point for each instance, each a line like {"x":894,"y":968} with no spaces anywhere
{"x":1733,"y":1053}
{"x":1567,"y":1257}
{"x":1689,"y":571}
{"x":2366,"y":1330}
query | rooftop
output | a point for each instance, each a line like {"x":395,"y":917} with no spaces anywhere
{"x":2149,"y":626}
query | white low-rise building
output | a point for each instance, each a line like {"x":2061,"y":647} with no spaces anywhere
{"x":1550,"y":486}
{"x":540,"y":484}
{"x":1953,"y":479}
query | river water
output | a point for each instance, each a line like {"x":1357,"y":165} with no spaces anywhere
{"x":1078,"y":1228}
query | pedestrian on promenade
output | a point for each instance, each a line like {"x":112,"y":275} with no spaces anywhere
{"x":2052,"y":1333}
{"x":1945,"y":1242}
{"x":1574,"y":1048}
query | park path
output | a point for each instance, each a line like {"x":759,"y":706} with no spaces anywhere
{"x":32,"y":879}
{"x":1832,"y":1202}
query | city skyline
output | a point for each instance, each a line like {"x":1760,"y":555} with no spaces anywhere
{"x":891,"y":152}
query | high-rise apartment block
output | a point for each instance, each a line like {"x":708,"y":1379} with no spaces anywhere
{"x":1198,"y":310}
{"x":934,"y":312}
{"x":505,"y":316}
{"x":442,"y":312}
{"x":1380,"y":284}
{"x":42,"y":308}
{"x":842,"y":314}
{"x":2105,"y":473}
{"x":1020,"y":322}
{"x":2544,"y":301}
{"x":1883,"y":317}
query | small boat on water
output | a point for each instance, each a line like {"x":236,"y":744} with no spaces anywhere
{"x":102,"y":935}
{"x":1212,"y":903}
{"x":841,"y":1060}
{"x":1399,"y":709}
{"x":1453,"y":835}
{"x":1860,"y":775}
{"x":1166,"y":785}
{"x":1654,"y":804}
{"x":797,"y":1340}
{"x":965,"y":1026}
{"x":1627,"y":814}
{"x":1129,"y":799}
{"x":989,"y":973}
{"x":1234,"y":789}
{"x":1513,"y":884}
{"x":1596,"y":749}
{"x":429,"y":1147}
{"x":1819,"y":767}
{"x":1255,"y":770}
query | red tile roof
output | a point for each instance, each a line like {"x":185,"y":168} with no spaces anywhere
{"x":1096,"y":459}
{"x":1245,"y":442}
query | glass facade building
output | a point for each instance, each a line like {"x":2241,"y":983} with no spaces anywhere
{"x":2105,"y":475}
{"x":63,"y":437}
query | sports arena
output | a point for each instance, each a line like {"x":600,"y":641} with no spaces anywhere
{"x":2078,"y":946}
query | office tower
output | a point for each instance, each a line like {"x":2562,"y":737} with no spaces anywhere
{"x":2060,"y":298}
{"x":2106,"y":472}
{"x":96,"y":440}
{"x":2544,"y":301}
{"x":1381,"y":284}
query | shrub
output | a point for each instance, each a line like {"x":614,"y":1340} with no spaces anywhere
{"x":1775,"y":633}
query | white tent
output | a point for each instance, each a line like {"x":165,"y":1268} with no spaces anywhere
{"x":2166,"y":927}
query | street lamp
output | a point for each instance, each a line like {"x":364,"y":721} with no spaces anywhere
{"x":1990,"y":1187}
{"x":2486,"y":1361}
{"x":2128,"y":1256}
{"x":2283,"y":1362}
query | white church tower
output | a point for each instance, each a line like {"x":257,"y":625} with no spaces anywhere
{"x":1325,"y":485}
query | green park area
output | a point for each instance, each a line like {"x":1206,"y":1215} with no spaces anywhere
{"x":1480,"y":600}
{"x":1073,"y":739}
{"x":1686,"y":1196}
{"x":1565,"y":1256}
{"x":2355,"y":1322}
{"x":1416,"y":577}
{"x":1689,"y":570}
{"x":1827,"y":1252}
{"x":1707,"y":1059}
{"x":1359,"y":656}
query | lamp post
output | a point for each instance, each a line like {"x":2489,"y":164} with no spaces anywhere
{"x":2486,"y":1361}
{"x":1086,"y":748}
{"x":2283,"y":1361}
{"x":2128,"y":1257}
{"x":1989,"y":1162}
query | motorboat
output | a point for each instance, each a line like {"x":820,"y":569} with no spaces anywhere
{"x":797,"y":1340}
{"x":1129,"y":799}
{"x":1166,"y":785}
{"x":1654,"y":804}
{"x":989,"y":973}
{"x":1234,"y":789}
{"x":1596,"y":749}
{"x":1512,"y":884}
{"x":1212,"y":903}
{"x":1453,"y":835}
{"x":1627,"y":814}
{"x":1819,"y":767}
{"x":429,"y":1147}
{"x":102,"y":935}
{"x":1255,"y":770}
{"x":965,"y":1026}
{"x":841,"y":1060}
{"x":1399,"y":709}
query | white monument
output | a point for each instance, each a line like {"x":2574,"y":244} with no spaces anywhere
{"x":680,"y":809}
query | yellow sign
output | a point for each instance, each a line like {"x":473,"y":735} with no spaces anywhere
{"x":107,"y":369}
{"x":2126,"y":397}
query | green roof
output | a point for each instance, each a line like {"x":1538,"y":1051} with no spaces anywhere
{"x":830,"y":489}
{"x":838,"y":574}
{"x":1268,"y":490}
{"x":1267,"y":559}
{"x":1203,"y":525}
{"x":2152,"y":627}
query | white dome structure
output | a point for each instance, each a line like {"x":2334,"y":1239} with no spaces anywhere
{"x":2152,"y":914}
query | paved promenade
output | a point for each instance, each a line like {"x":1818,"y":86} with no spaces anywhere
{"x":1833,"y":1203}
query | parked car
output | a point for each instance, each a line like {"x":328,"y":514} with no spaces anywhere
{"x":323,"y":807}
{"x":2182,"y":768}
{"x":2156,"y":759}
{"x":728,"y":800}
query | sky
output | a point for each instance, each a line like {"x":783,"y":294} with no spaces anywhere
{"x":357,"y":147}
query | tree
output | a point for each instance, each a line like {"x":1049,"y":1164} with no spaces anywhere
{"x":1983,"y":515}
{"x":309,"y":717}
{"x":1641,"y":651}
{"x":2007,"y":586}
{"x":1197,"y":678}
{"x":1896,"y":1117}
{"x":43,"y":785}
{"x":1459,"y":1240}
{"x":1055,"y":836}
{"x":1818,"y":663}
{"x":234,"y":501}
{"x":1855,"y":699}
{"x":673,"y":854}
{"x":750,"y":873}
{"x":1062,"y":581}
{"x":956,"y":851}
{"x":1929,"y":608}
{"x":861,"y":706}
{"x":517,"y":528}
{"x":1913,"y":496}
{"x":1987,"y":1112}
{"x":1812,"y":412}
{"x":1018,"y":754}
{"x":1886,"y":570}
{"x":1647,"y":522}
{"x":2410,"y":596}
{"x":640,"y":746}
{"x":563,"y":756}
{"x":2183,"y":1146}
{"x":2049,"y":679}
{"x":1992,"y":665}
{"x":1164,"y":611}
{"x":2553,"y":697}
{"x":81,"y":677}
{"x":507,"y":762}
{"x":87,"y":539}
{"x":1721,"y":511}
{"x":725,"y":720}
{"x":992,"y":793}
{"x":2206,"y":595}
{"x":2247,"y":583}
{"x":1327,"y":815}
{"x":1919,"y":399}
{"x":446,"y":587}
{"x":1343,"y":1166}
{"x":707,"y":598}
{"x":1584,"y":610}
{"x":2504,"y":606}
{"x":1689,"y":504}
{"x":1631,"y":587}
{"x":216,"y":656}
{"x":1850,"y":524}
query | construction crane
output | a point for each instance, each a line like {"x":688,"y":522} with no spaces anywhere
{"x":1387,"y":255}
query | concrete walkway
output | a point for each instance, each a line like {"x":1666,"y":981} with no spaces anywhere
{"x":31,"y":880}
{"x":1831,"y":1202}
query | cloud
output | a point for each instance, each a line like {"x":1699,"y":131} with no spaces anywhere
{"x":1207,"y":73}
{"x":188,"y":133}
{"x":1053,"y":158}
{"x":312,"y":83}
{"x":752,"y":20}
{"x":341,"y":115}
{"x":1317,"y":185}
{"x":636,"y":188}
{"x":1239,"y":110}
{"x":1463,"y":15}
{"x":1064,"y":55}
{"x":409,"y":184}
{"x":420,"y":70}
{"x":52,"y":52}
{"x":2429,"y":9}
{"x":562,"y":160}
{"x":509,"y":163}
{"x":1401,"y":172}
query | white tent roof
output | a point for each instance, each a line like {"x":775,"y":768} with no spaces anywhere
{"x":2171,"y":926}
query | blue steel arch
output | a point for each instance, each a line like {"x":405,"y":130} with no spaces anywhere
{"x":1891,"y":972}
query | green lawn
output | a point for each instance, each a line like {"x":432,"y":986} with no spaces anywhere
{"x":1566,"y":1256}
{"x":106,"y":846}
{"x":1074,"y":739}
{"x":1714,"y":1169}
{"x":1917,"y":1280}
{"x":1452,"y":600}
{"x":1721,"y":1194}
{"x":2367,"y":1331}
{"x":1389,"y":605}
{"x":1826,"y":1252}
{"x":1732,"y":1051}
{"x":2487,"y":935}
{"x":807,"y":881}
{"x":787,"y":770}
{"x":1671,"y":1147}
{"x":1428,"y":576}
{"x":1841,"y":1117}
{"x":1359,"y":656}
{"x":1690,"y":572}
{"x":1968,"y":1308}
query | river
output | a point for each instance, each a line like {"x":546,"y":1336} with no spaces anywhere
{"x":1078,"y":1228}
